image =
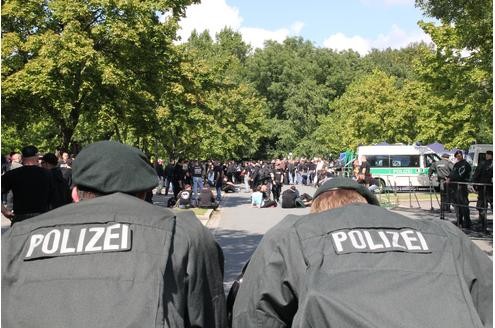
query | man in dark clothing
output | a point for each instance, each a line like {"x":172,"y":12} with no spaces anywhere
{"x":206,"y":198}
{"x":219,"y":175}
{"x":484,"y":174}
{"x":160,"y":173}
{"x":178,"y":178}
{"x":277,"y":182}
{"x":31,"y":187}
{"x":460,"y":174}
{"x":61,"y":191}
{"x":185,"y":197}
{"x":351,"y":263}
{"x":112,"y":259}
{"x":169,"y":174}
{"x":442,"y":169}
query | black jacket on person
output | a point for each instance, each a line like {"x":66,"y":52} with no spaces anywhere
{"x":461,"y":171}
{"x":61,"y":193}
{"x":112,"y":261}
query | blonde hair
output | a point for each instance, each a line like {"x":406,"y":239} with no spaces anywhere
{"x":336,"y":198}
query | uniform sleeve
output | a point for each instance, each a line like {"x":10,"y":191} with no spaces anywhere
{"x":202,"y":282}
{"x":6,"y":182}
{"x":478,"y":272}
{"x":268,"y":295}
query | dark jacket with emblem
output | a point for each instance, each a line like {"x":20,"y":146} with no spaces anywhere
{"x":168,"y":275}
{"x":332,"y":269}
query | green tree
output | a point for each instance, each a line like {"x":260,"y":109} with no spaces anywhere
{"x":86,"y":61}
{"x":460,"y":69}
{"x":376,"y":108}
{"x":209,"y":112}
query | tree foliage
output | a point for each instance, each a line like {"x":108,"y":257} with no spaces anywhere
{"x":460,"y":70}
{"x":79,"y":71}
{"x":73,"y":61}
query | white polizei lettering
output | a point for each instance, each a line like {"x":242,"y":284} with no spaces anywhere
{"x":109,"y":236}
{"x":357,"y":234}
{"x":80,"y":242}
{"x":55,"y":235}
{"x":408,"y":240}
{"x":395,"y":239}
{"x":370,"y":241}
{"x":65,"y":238}
{"x":422,"y":240}
{"x":384,"y":238}
{"x":338,"y":238}
{"x":125,"y":233}
{"x":35,"y":241}
{"x":90,"y":246}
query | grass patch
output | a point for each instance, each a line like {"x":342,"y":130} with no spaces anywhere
{"x":198,"y":211}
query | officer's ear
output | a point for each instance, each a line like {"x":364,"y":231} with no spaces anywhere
{"x":75,"y":194}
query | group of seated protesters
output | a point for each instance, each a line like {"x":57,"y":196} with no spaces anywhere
{"x":291,"y":198}
{"x":206,"y":198}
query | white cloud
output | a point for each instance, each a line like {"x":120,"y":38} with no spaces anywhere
{"x":211,"y":15}
{"x":395,"y":39}
{"x":296,"y":27}
{"x":214,"y":15}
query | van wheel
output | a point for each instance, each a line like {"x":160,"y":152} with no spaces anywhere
{"x":381,"y":185}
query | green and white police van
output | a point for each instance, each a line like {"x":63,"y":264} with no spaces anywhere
{"x":399,"y":165}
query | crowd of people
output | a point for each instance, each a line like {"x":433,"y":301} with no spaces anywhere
{"x":111,"y":259}
{"x":33,"y":184}
{"x":264,"y":178}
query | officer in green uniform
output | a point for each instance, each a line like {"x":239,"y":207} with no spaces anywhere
{"x":351,"y":263}
{"x":111,"y":259}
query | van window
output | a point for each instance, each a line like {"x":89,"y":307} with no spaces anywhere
{"x":430,"y":159}
{"x":404,"y":160}
{"x":378,"y":160}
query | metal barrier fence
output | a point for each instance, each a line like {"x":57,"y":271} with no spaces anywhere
{"x":447,"y":195}
{"x":457,"y":196}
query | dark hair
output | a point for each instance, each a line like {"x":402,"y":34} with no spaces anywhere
{"x":50,"y":158}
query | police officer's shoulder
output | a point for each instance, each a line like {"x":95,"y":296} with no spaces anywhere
{"x":189,"y":227}
{"x":113,"y":207}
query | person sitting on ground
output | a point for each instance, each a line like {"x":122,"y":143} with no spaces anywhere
{"x":351,"y":263}
{"x":185,"y":197}
{"x":206,"y":198}
{"x":257,"y":198}
{"x":292,"y":199}
{"x":228,"y":186}
{"x":267,"y":202}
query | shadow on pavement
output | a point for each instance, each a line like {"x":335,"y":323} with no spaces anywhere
{"x":234,"y":200}
{"x":237,"y":246}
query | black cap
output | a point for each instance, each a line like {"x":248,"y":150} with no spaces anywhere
{"x":109,"y":166}
{"x":445,"y":155}
{"x":457,"y":152}
{"x":50,"y":158}
{"x":29,"y":151}
{"x":347,"y":183}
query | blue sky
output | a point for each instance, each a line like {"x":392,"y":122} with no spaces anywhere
{"x":356,"y":24}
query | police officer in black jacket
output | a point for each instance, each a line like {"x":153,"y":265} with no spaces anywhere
{"x":111,"y":259}
{"x":484,"y":174}
{"x":442,"y":169}
{"x":461,"y":173}
{"x":351,"y":263}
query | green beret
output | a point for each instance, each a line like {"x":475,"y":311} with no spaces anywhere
{"x":109,"y":167}
{"x":347,"y":183}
